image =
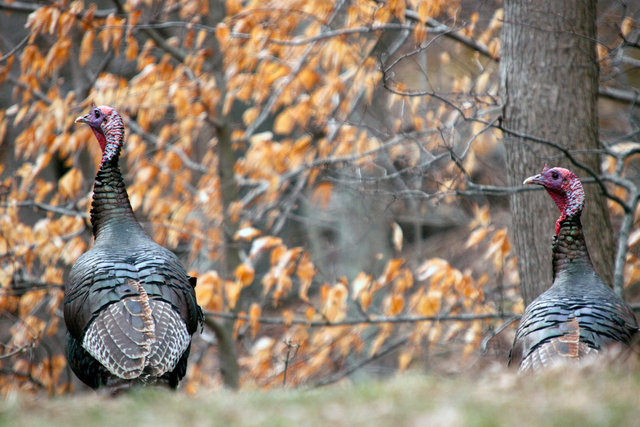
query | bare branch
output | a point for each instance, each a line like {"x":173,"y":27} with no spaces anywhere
{"x":49,"y":208}
{"x":382,"y":352}
{"x":330,"y":34}
{"x":632,"y":95}
{"x":569,"y":157}
{"x":135,"y":127}
{"x":18,"y":6}
{"x":15,"y":49}
{"x":454,"y":34}
{"x":464,"y":317}
{"x":37,"y":93}
{"x":177,"y":54}
{"x":268,"y":106}
{"x":17,"y":350}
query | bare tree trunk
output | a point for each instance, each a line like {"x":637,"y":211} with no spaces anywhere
{"x":229,"y":260}
{"x":549,"y":77}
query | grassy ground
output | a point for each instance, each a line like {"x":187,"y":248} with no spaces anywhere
{"x":560,"y":398}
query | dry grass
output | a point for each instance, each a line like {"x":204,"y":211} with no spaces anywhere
{"x":496,"y":397}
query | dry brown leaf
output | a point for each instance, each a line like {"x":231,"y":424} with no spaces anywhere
{"x":305,"y":271}
{"x":392,"y":269}
{"x":86,"y":47}
{"x":70,"y":183}
{"x":284,"y":123}
{"x":404,"y":359}
{"x":626,"y":26}
{"x":429,"y":305}
{"x":245,"y":274}
{"x":423,"y":10}
{"x":262,"y":244}
{"x":397,"y":236}
{"x":254,"y":318}
{"x":232,"y":290}
{"x":288,"y":317}
{"x":322,"y":194}
{"x":476,"y":237}
{"x":361,"y":283}
{"x":395,"y":304}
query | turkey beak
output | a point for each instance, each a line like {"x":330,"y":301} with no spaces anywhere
{"x":536,"y":179}
{"x":82,"y":119}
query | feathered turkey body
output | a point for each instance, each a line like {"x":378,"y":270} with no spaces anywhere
{"x":579,"y":315}
{"x":129,"y":305}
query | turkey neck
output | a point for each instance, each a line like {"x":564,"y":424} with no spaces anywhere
{"x":111,"y":212}
{"x":569,"y":248}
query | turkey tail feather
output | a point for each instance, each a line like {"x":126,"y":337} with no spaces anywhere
{"x":136,"y":335}
{"x":171,"y":338}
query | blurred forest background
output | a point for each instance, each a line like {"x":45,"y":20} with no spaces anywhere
{"x":334,"y":173}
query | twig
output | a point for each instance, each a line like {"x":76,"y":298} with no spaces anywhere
{"x":456,"y":35}
{"x":623,"y":242}
{"x":337,"y":377}
{"x":290,"y":345}
{"x":15,"y":48}
{"x":37,"y":93}
{"x":18,"y":350}
{"x":505,"y":325}
{"x":48,"y":208}
{"x":162,"y":43}
{"x":414,"y":52}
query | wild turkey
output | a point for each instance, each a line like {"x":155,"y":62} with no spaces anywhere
{"x":129,"y":305}
{"x":579,"y":315}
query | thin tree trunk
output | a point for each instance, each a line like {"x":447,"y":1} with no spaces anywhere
{"x":228,"y":259}
{"x":549,"y":77}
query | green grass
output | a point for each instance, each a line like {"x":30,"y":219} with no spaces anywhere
{"x":560,"y":398}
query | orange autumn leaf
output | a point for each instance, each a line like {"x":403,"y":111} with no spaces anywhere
{"x":429,"y":305}
{"x":86,"y":47}
{"x":391,"y":270}
{"x":245,"y":274}
{"x":365,"y":300}
{"x":305,"y":271}
{"x":262,"y":244}
{"x":383,"y":334}
{"x":419,"y":33}
{"x":360,"y":283}
{"x":309,"y":313}
{"x":284,"y":123}
{"x":423,"y":10}
{"x":626,"y":26}
{"x":395,"y":304}
{"x":232,"y":290}
{"x":70,"y":183}
{"x":404,"y":359}
{"x":288,"y":316}
{"x":322,"y":194}
{"x":335,"y":307}
{"x":254,"y":318}
{"x":476,"y":237}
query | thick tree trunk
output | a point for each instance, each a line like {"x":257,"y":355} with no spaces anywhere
{"x":549,"y":76}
